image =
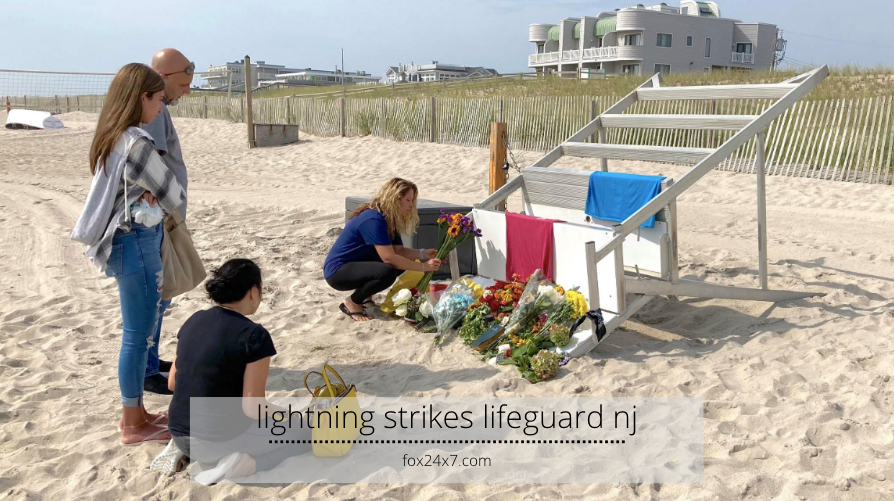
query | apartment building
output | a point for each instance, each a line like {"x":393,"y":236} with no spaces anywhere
{"x":646,"y":40}
{"x":434,"y":72}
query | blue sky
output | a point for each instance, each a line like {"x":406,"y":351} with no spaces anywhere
{"x":101,"y":36}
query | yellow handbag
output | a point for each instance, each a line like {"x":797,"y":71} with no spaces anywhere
{"x":407,"y":280}
{"x":337,"y":422}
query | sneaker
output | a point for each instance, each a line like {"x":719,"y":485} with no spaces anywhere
{"x":157,"y":384}
{"x":164,"y":366}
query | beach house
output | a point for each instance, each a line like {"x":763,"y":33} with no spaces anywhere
{"x":646,"y":40}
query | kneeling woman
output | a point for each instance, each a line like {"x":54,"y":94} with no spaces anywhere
{"x":223,"y":360}
{"x":369,"y":254}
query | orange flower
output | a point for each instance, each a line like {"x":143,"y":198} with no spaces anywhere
{"x":453,"y":231}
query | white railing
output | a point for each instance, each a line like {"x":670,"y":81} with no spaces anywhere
{"x":571,"y":55}
{"x":601,"y":52}
{"x":743,"y":58}
{"x":546,"y":57}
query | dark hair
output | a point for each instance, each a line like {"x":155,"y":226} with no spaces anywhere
{"x":232,"y":281}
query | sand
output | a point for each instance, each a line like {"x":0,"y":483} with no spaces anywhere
{"x":798,"y":396}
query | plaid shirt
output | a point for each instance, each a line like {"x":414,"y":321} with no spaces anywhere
{"x":143,"y":170}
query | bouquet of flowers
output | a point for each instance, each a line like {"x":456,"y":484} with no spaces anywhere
{"x":494,"y":304}
{"x":452,"y":307}
{"x":534,"y":363}
{"x":573,"y":307}
{"x":540,"y":296}
{"x":413,"y":307}
{"x":453,"y":230}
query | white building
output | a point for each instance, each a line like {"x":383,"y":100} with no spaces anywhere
{"x":434,"y":72}
{"x":310,"y":76}
{"x":263,"y":73}
{"x":647,"y":40}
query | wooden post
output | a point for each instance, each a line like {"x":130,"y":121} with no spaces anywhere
{"x":619,"y":275}
{"x":592,"y":117}
{"x":229,"y":82}
{"x":56,"y":108}
{"x":249,"y":119}
{"x":497,"y":176}
{"x":342,"y":116}
{"x":501,"y":111}
{"x":592,"y":278}
{"x":711,"y":132}
{"x":433,"y":135}
{"x":67,"y":104}
{"x":78,"y":102}
{"x":603,"y":138}
{"x":761,"y":208}
{"x":205,"y":105}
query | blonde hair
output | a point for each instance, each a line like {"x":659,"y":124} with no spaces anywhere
{"x":387,"y":202}
{"x":123,"y":108}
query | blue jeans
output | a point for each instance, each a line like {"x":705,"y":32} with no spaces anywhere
{"x":135,"y":263}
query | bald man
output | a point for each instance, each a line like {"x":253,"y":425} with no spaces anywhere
{"x":176,"y":70}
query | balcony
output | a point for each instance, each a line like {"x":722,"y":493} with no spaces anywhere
{"x":743,"y":58}
{"x":571,"y":55}
{"x":599,"y":53}
{"x":543,"y":58}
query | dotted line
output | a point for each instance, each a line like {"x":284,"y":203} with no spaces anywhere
{"x":606,"y":442}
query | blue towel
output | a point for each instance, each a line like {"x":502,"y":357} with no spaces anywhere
{"x":615,"y":196}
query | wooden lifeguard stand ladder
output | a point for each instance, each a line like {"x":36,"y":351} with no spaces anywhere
{"x":561,"y":194}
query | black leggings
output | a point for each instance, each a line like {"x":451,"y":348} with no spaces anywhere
{"x":365,"y":278}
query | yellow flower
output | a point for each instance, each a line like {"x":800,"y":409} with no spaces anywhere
{"x":453,"y":230}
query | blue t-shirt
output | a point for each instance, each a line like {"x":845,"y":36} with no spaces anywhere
{"x":358,"y":240}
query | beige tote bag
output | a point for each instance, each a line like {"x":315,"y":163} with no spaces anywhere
{"x":183,"y":268}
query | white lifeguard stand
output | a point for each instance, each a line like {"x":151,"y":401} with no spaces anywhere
{"x":621,"y":267}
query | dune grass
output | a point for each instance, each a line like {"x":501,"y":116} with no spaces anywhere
{"x":843,"y":83}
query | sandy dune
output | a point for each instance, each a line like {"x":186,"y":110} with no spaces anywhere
{"x":798,"y":396}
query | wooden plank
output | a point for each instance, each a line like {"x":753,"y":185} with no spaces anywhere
{"x":878,"y":137}
{"x":761,"y":208}
{"x":620,"y":278}
{"x":885,"y":132}
{"x":592,"y":278}
{"x":714,"y":122}
{"x":497,"y":176}
{"x":671,"y":219}
{"x":635,"y":152}
{"x":826,"y":162}
{"x":709,"y":92}
{"x":691,"y":288}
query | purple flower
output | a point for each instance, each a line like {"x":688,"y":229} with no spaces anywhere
{"x":565,"y":360}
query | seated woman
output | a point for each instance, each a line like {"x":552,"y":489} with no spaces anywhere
{"x":369,"y":255}
{"x":221,"y":353}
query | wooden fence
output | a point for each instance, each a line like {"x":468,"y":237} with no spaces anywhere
{"x":839,"y":139}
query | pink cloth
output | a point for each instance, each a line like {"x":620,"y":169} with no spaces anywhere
{"x":529,"y":242}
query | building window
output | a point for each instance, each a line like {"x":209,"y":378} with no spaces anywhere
{"x":743,"y":48}
{"x":662,"y":68}
{"x":635,"y":39}
{"x":685,"y":11}
{"x":707,"y":47}
{"x":707,"y":70}
{"x":665,"y":40}
{"x":630,"y":69}
{"x":688,"y":41}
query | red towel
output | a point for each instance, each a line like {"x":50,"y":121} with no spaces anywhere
{"x":529,"y":242}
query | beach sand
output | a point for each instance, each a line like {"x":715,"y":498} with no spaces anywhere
{"x":798,"y":396}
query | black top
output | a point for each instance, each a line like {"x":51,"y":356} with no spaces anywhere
{"x":214,"y":347}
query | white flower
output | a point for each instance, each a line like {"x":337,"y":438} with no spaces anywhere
{"x":504,"y":321}
{"x":401,"y":297}
{"x":401,"y":310}
{"x":549,"y":292}
{"x":425,"y":308}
